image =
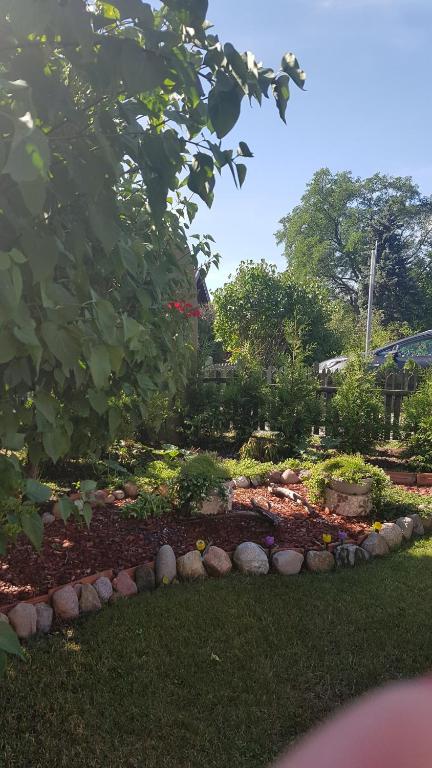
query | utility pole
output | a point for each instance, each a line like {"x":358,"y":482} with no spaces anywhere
{"x":370,"y":299}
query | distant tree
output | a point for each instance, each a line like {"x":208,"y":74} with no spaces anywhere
{"x":330,"y":235}
{"x":256,"y":310}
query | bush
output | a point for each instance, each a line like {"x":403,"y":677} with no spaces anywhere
{"x":357,"y":410}
{"x":147,"y":505}
{"x":244,"y":399}
{"x":203,"y":416}
{"x":417,"y":423}
{"x":398,"y":502}
{"x":264,"y":446}
{"x":197,"y":480}
{"x":351,"y":469}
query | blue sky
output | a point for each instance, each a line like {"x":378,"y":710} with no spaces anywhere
{"x":367,"y":108}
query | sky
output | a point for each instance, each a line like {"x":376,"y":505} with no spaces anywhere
{"x":366,"y":108}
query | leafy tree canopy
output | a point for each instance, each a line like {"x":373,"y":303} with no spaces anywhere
{"x":261,"y":308}
{"x":330,"y":235}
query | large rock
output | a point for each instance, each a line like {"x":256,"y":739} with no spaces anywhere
{"x":217,"y":562}
{"x":89,"y":599}
{"x":250,"y":558}
{"x":165,"y":566}
{"x":350,"y":555}
{"x":124,"y":584}
{"x":406,"y":525}
{"x":348,"y":505}
{"x":392,"y":534}
{"x":275,"y":477}
{"x":65,"y":603}
{"x":427,"y":522}
{"x":290,"y":477}
{"x":418,"y":527}
{"x":145,"y":578}
{"x":119,"y":495}
{"x":287,"y":562}
{"x":190,"y":566}
{"x":256,"y":481}
{"x":131,"y":490}
{"x":376,"y":545}
{"x":23,"y":619}
{"x":48,"y":518}
{"x":104,"y":588}
{"x":44,"y":617}
{"x":320,"y":561}
{"x":241,"y":482}
{"x":214,"y":505}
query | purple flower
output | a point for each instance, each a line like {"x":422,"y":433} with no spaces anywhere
{"x":342,"y":535}
{"x":269,"y":541}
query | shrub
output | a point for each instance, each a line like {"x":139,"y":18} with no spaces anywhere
{"x":351,"y":469}
{"x":357,"y":409}
{"x":198,"y":479}
{"x":244,"y":399}
{"x":264,"y":446}
{"x":251,"y":467}
{"x":147,"y":505}
{"x":417,"y":423}
{"x":398,"y":502}
{"x":203,"y":416}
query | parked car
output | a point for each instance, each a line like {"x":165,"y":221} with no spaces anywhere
{"x":417,"y":348}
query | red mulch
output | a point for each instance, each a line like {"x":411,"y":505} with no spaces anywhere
{"x":72,"y":551}
{"x":422,"y":490}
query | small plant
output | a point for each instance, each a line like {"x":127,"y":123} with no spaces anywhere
{"x":351,"y":469}
{"x":147,"y":505}
{"x":263,"y":446}
{"x":198,"y":479}
{"x":417,"y":423}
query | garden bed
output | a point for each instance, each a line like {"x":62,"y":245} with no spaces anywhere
{"x":71,"y":551}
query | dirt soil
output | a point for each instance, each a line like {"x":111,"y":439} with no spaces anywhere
{"x":71,"y":551}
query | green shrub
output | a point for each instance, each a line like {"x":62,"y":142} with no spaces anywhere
{"x":203,"y":418}
{"x":252,"y":467}
{"x":147,"y":505}
{"x":244,"y":399}
{"x":197,"y":480}
{"x":398,"y":502}
{"x":357,"y":409}
{"x":417,"y":424}
{"x":351,"y":469}
{"x":263,"y":446}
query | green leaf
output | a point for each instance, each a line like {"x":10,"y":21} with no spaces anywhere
{"x":87,"y":513}
{"x":281,"y":93}
{"x":32,"y":526}
{"x":42,"y":253}
{"x":2,"y":660}
{"x":106,"y":318}
{"x":5,"y":261}
{"x":29,"y":17}
{"x":109,"y":10}
{"x":56,"y":443}
{"x":100,"y":366}
{"x":67,"y":508}
{"x":34,"y":194}
{"x":29,"y":156}
{"x":13,"y":441}
{"x":142,"y":70}
{"x":9,"y":641}
{"x":224,"y":107}
{"x":241,"y":172}
{"x":201,"y":177}
{"x":36,"y":491}
{"x":157,"y":192}
{"x":114,"y":421}
{"x":244,"y":150}
{"x":62,"y":345}
{"x":98,"y":401}
{"x":47,"y":405}
{"x":291,"y":66}
{"x":8,"y":346}
{"x":86,"y":486}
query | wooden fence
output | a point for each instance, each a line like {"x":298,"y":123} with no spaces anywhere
{"x":394,"y":387}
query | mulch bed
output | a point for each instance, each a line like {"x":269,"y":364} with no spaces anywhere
{"x":72,"y":551}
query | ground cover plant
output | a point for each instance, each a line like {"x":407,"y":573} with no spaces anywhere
{"x":290,"y":650}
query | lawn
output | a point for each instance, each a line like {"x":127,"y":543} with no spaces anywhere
{"x":218,"y":674}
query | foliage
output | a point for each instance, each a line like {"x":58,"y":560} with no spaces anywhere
{"x":202,"y":415}
{"x":351,"y":469}
{"x":244,"y":398}
{"x":17,"y":516}
{"x":198,"y":479}
{"x":255,"y":310}
{"x":147,"y":505}
{"x":398,"y":502}
{"x":262,"y":446}
{"x":8,"y":644}
{"x":108,"y":111}
{"x":417,"y":424}
{"x":251,"y":467}
{"x":357,"y":409}
{"x":329,"y":236}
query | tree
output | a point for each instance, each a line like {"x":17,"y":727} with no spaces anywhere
{"x":331,"y":233}
{"x":256,"y":310}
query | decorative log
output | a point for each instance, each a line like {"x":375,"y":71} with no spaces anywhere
{"x":286,"y":493}
{"x":266,"y":512}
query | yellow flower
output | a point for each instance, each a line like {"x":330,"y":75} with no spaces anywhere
{"x":200,"y":545}
{"x":165,"y":580}
{"x":377,"y":526}
{"x":327,"y":538}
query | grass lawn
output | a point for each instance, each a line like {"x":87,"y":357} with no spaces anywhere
{"x":218,"y":674}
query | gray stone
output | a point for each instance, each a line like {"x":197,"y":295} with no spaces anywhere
{"x":304,"y":474}
{"x":241,"y":482}
{"x":427,"y":521}
{"x":124,"y":584}
{"x":65,"y":603}
{"x":320,"y":561}
{"x":4,"y":618}
{"x":214,"y":505}
{"x":23,"y":619}
{"x":375,"y":545}
{"x":89,"y":599}
{"x":104,"y":588}
{"x":290,"y":477}
{"x":190,"y":566}
{"x":131,"y":489}
{"x":287,"y":562}
{"x":275,"y":477}
{"x":406,"y":524}
{"x":393,"y":535}
{"x":350,"y":555}
{"x":348,"y":505}
{"x":217,"y":562}
{"x":165,"y":566}
{"x":44,"y":617}
{"x":48,"y":518}
{"x":255,"y":481}
{"x":250,"y":558}
{"x":418,"y":528}
{"x":77,"y":587}
{"x":145,"y":578}
{"x":118,"y":495}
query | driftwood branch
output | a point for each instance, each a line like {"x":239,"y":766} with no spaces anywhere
{"x":266,"y":512}
{"x":286,"y":493}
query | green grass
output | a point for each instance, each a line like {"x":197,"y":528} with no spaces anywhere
{"x":139,"y":685}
